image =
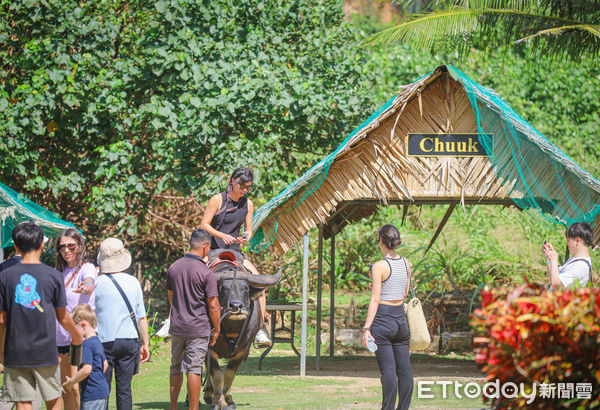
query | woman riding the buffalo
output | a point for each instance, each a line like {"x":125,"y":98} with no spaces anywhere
{"x":225,"y":214}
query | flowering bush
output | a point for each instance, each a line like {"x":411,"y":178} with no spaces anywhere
{"x":548,"y":341}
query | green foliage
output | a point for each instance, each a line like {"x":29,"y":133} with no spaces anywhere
{"x":107,"y":103}
{"x":560,"y":101}
{"x":153,"y":327}
{"x":271,"y":81}
{"x":479,"y":245}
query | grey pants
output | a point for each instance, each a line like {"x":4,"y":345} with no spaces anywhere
{"x":391,"y":334}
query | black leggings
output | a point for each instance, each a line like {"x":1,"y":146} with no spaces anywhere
{"x":391,"y":333}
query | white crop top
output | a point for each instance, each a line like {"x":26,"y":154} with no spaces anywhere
{"x":394,"y":287}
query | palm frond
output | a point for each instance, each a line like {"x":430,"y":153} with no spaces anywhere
{"x":552,"y":24}
{"x":424,"y":30}
{"x":573,"y":41}
{"x":583,"y":10}
{"x":556,"y":31}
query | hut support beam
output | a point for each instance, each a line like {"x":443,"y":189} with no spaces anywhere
{"x":319,"y":295}
{"x":442,"y":224}
{"x":332,"y":297}
{"x":304,"y":308}
{"x":343,"y":207}
{"x":404,"y":214}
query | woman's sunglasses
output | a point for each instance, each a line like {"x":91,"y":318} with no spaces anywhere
{"x":246,"y":188}
{"x":71,"y":246}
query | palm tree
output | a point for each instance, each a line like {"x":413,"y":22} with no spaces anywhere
{"x":554,"y":27}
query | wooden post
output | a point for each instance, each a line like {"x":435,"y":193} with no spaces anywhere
{"x":404,"y":214}
{"x":319,"y":290}
{"x":304,"y":307}
{"x":332,"y":296}
{"x":442,"y":224}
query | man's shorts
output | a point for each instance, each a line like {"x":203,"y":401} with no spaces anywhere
{"x":19,"y":384}
{"x":187,"y":354}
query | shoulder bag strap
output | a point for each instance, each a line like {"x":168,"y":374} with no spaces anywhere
{"x":72,"y":276}
{"x":131,"y":313}
{"x":412,"y":285}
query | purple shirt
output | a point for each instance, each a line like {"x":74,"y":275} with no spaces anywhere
{"x":192,"y":283}
{"x":63,"y":338}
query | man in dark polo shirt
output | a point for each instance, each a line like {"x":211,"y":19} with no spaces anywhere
{"x":193,"y":295}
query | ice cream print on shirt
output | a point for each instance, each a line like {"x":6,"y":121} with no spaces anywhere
{"x":26,"y":293}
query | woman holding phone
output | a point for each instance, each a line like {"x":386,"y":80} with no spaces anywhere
{"x":225,"y":214}
{"x":577,"y":270}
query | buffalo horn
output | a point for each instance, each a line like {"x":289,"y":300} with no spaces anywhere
{"x":257,"y":281}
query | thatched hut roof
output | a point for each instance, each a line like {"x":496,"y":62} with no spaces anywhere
{"x":372,"y":167}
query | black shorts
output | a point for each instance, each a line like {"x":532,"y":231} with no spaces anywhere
{"x":63,"y":349}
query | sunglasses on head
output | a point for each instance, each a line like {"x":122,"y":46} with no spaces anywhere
{"x":71,"y":246}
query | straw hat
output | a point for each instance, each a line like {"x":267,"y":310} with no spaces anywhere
{"x":113,"y":257}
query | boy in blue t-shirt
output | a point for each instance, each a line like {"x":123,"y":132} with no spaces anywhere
{"x":92,"y":383}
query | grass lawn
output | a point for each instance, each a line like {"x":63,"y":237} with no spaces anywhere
{"x":342,"y":382}
{"x":349,"y":380}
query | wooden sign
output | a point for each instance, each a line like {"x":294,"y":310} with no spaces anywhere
{"x":447,"y":145}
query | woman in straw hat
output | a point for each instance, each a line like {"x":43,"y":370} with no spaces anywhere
{"x":121,"y":318}
{"x":79,"y":277}
{"x":386,"y":327}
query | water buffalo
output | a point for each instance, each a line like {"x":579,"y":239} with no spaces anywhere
{"x":240,"y":321}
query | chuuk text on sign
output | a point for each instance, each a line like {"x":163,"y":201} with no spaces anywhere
{"x":453,"y":145}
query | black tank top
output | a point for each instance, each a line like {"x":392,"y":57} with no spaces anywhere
{"x":229,"y":221}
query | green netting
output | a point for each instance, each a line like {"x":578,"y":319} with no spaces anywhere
{"x":535,"y":172}
{"x":15,"y":208}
